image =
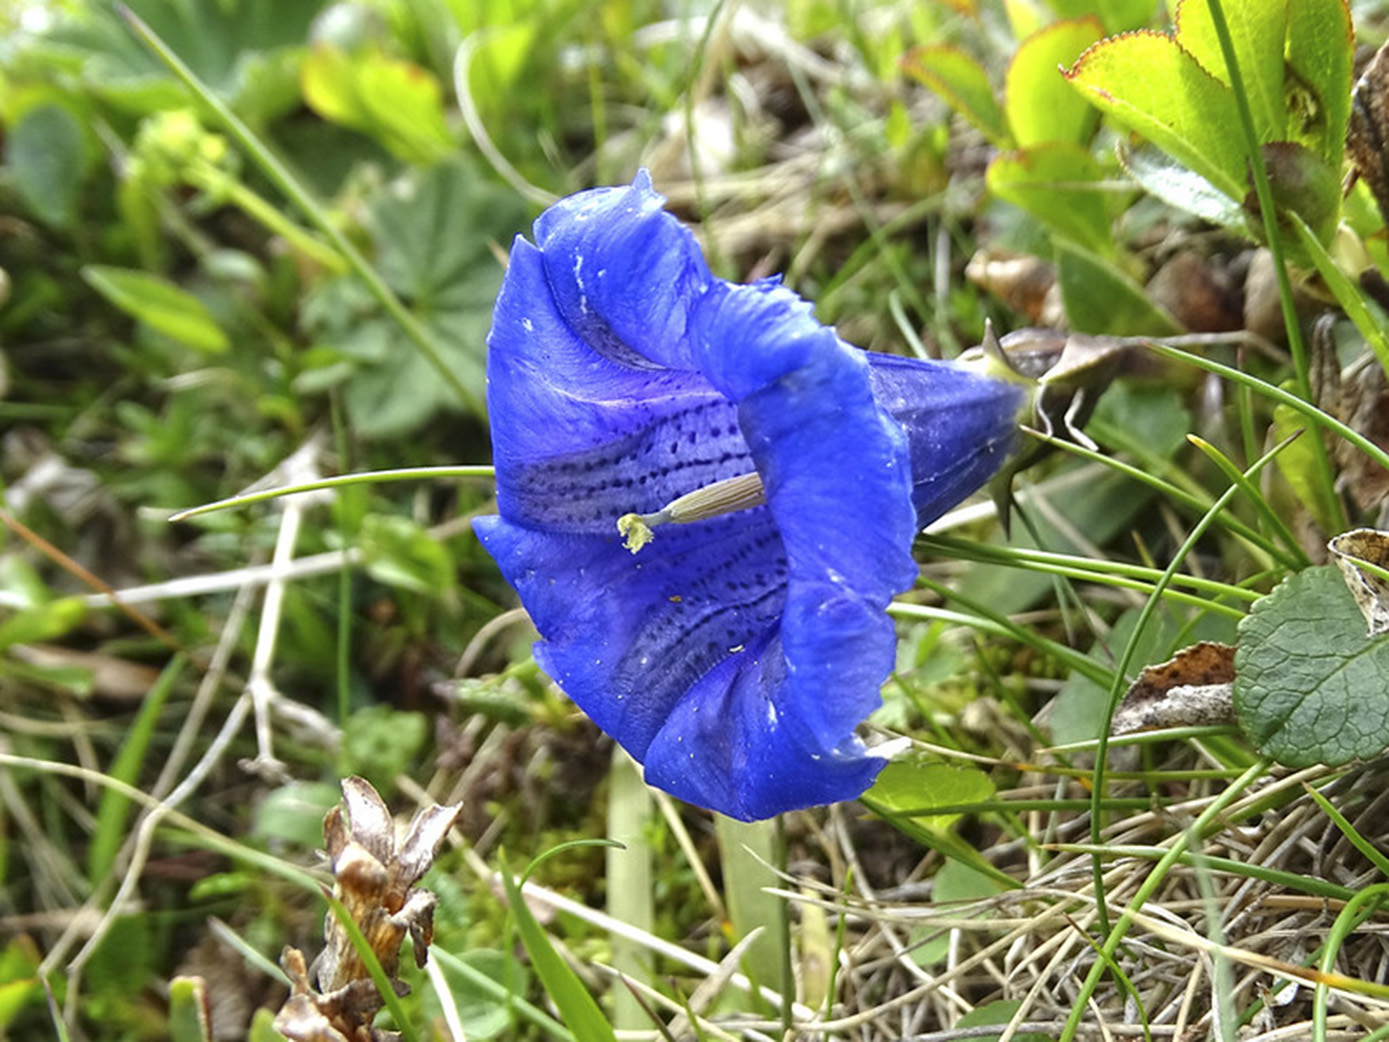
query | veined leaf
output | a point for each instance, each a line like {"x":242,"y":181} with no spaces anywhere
{"x":1310,"y":686}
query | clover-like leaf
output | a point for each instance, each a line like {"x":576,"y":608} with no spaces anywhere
{"x":1310,"y":686}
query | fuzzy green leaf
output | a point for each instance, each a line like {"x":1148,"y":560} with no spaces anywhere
{"x":1041,"y":106}
{"x":962,"y":82}
{"x":1310,"y":686}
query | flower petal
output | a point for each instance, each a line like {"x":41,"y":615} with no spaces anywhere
{"x":734,"y":656}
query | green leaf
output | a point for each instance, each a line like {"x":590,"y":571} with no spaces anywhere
{"x":484,"y":1011}
{"x":1317,"y":88}
{"x":1301,"y":466}
{"x":188,"y":1021}
{"x":1059,"y":184}
{"x":914,"y":788}
{"x":1101,"y":298}
{"x":41,"y":622}
{"x":46,"y":155}
{"x":1258,"y":29}
{"x":432,"y":230}
{"x":380,"y":743}
{"x":1182,"y":188}
{"x":396,"y":102}
{"x":576,"y":1006}
{"x":293,"y":813}
{"x":1041,"y":106}
{"x":160,"y":305}
{"x":962,"y":82}
{"x":1146,"y":82}
{"x":1310,"y":686}
{"x":1359,"y":307}
{"x":1119,"y":16}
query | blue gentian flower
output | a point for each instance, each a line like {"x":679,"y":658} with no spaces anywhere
{"x":735,"y":654}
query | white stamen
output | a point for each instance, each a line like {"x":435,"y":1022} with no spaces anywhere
{"x":741,"y":492}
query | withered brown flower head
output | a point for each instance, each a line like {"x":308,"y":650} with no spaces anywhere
{"x":335,"y":1000}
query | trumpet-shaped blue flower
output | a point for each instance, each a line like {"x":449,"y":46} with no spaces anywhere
{"x":735,"y":654}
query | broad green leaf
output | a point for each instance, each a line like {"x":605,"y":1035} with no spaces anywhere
{"x":486,"y":1010}
{"x":46,"y":156}
{"x":188,"y":1020}
{"x":1258,"y":29}
{"x":1040,"y":104}
{"x":1118,"y":16}
{"x":1146,"y":82}
{"x":962,"y":82}
{"x":294,"y":813}
{"x":1317,"y":86}
{"x":1100,"y":298}
{"x":1310,"y":686}
{"x":160,"y":305}
{"x":1301,"y":466}
{"x":433,"y":232}
{"x":396,"y":102}
{"x":576,"y":1006}
{"x":42,"y":621}
{"x":1059,"y":184}
{"x":914,"y":789}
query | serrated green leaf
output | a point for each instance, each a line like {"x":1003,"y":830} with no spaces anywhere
{"x":1317,"y":86}
{"x":1258,"y":29}
{"x":1059,"y":184}
{"x":160,"y":305}
{"x":962,"y":82}
{"x":1040,"y":105}
{"x":1310,"y":686}
{"x":1149,"y":84}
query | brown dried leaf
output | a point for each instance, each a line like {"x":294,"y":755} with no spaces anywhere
{"x":1192,"y":689}
{"x":1352,"y":550}
{"x":1367,"y":137}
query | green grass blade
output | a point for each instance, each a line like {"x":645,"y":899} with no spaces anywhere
{"x":630,"y":888}
{"x":576,"y":1006}
{"x":370,"y":477}
{"x":114,"y":808}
